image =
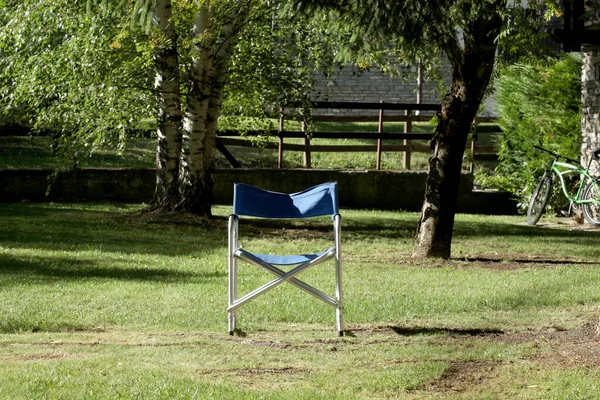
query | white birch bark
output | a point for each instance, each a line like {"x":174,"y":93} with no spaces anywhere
{"x":194,"y":126}
{"x":207,"y":80}
{"x":166,"y":85}
{"x":229,"y":38}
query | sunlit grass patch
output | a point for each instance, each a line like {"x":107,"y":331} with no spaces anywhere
{"x":105,"y":301}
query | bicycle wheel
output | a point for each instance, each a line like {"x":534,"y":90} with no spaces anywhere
{"x":539,"y":199}
{"x":591,"y":211}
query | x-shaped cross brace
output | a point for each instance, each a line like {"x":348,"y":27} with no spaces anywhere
{"x":283,"y":277}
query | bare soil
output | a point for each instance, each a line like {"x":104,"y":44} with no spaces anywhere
{"x":567,"y":348}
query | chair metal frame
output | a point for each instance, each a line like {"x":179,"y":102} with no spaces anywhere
{"x":235,"y":253}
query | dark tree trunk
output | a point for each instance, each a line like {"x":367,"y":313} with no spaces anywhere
{"x":472,"y":64}
{"x":434,"y":233}
{"x":196,"y":198}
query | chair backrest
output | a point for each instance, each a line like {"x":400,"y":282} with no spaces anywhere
{"x":313,"y":202}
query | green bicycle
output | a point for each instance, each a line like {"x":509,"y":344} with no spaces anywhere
{"x":587,"y":195}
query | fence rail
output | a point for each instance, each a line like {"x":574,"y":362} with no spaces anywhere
{"x":228,"y":137}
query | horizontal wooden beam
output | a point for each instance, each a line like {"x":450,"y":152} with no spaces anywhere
{"x":363,"y":118}
{"x":367,"y":106}
{"x":331,"y":135}
{"x":343,"y":148}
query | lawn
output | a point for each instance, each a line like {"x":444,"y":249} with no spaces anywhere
{"x":102,"y":301}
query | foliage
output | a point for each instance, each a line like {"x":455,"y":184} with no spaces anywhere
{"x":87,"y":74}
{"x":276,"y":63}
{"x":539,"y":104}
{"x":62,"y":71}
{"x":392,"y":34}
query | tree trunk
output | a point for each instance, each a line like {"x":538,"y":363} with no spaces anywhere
{"x":434,"y":233}
{"x":207,"y":83}
{"x":195,"y":193}
{"x":472,"y":62}
{"x":166,"y":85}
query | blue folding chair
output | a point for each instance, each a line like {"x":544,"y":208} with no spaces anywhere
{"x":251,"y":201}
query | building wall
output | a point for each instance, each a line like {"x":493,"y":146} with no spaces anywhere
{"x":349,"y":84}
{"x":372,"y":86}
{"x":590,"y":101}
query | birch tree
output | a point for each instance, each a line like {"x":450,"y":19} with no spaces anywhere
{"x":187,"y":129}
{"x":92,"y":70}
{"x":187,"y":136}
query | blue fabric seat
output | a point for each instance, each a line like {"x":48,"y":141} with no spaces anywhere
{"x":313,"y":202}
{"x":320,"y":200}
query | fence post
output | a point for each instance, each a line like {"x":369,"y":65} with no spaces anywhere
{"x":307,"y":148}
{"x":280,"y":150}
{"x":407,"y":129}
{"x":379,"y":140}
{"x":472,"y":158}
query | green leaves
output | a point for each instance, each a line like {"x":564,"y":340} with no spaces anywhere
{"x":277,"y":61}
{"x":539,"y":104}
{"x":60,"y":73}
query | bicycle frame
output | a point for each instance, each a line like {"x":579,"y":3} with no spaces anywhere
{"x":562,"y":169}
{"x":586,"y":195}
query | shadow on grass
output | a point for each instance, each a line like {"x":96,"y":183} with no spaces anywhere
{"x":62,"y":268}
{"x":40,"y":226}
{"x":417,"y":331}
{"x":404,"y":227}
{"x":533,"y":261}
{"x":107,"y":228}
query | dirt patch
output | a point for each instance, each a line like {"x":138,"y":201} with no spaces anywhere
{"x":256,"y":371}
{"x":564,"y":349}
{"x":271,"y":371}
{"x":463,"y":376}
{"x":495,"y":260}
{"x":267,"y":343}
{"x":574,"y":347}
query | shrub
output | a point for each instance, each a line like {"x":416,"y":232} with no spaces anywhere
{"x":539,"y":104}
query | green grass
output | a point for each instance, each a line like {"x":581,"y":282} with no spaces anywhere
{"x":36,"y":152}
{"x":101,"y":301}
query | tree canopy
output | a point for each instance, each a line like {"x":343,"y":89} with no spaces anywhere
{"x":60,"y":70}
{"x":469,"y":34}
{"x":94,"y":73}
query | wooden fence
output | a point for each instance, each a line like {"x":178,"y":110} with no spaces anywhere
{"x":231,"y":138}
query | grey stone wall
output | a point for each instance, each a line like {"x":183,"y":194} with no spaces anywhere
{"x":372,"y":86}
{"x":357,"y":189}
{"x":590,"y":99}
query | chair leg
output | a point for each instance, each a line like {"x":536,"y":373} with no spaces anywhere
{"x":231,"y":322}
{"x":338,"y":275}
{"x":232,"y":266}
{"x":338,"y":293}
{"x":232,"y":294}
